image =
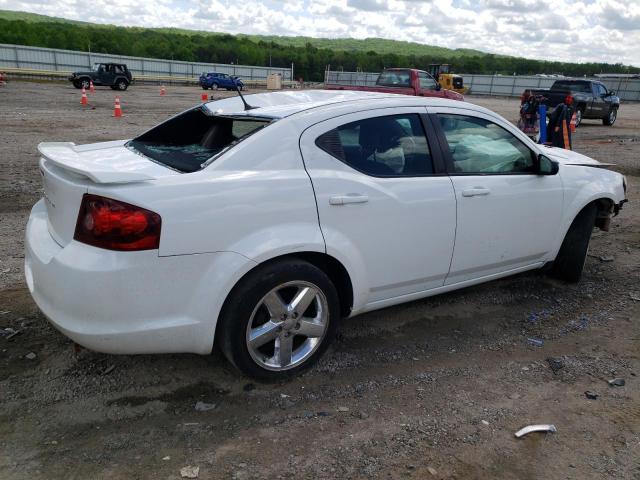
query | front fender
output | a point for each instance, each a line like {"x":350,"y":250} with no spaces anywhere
{"x":584,"y":185}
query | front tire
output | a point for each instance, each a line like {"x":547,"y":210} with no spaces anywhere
{"x":279,"y":320}
{"x":214,"y":86}
{"x":571,"y":258}
{"x":610,"y":119}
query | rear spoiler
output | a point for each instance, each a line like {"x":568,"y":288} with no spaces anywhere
{"x":68,"y":156}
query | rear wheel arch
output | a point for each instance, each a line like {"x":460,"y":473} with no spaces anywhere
{"x":336,"y":272}
{"x":309,"y":269}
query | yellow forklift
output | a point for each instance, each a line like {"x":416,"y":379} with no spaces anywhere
{"x":446,"y":78}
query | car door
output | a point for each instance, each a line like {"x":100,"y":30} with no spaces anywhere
{"x":384,"y":203}
{"x":601,"y":99}
{"x":508,"y":214}
{"x":428,"y":86}
{"x":107,"y":75}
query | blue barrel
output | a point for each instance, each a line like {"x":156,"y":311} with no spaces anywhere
{"x":543,"y":123}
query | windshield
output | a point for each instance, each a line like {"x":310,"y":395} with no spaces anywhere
{"x":395,"y":78}
{"x":190,"y":140}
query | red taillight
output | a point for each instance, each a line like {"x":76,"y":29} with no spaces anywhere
{"x":115,"y":225}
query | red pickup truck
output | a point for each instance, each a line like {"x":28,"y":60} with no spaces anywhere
{"x":405,"y":81}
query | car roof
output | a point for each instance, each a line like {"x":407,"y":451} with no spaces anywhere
{"x":284,"y":103}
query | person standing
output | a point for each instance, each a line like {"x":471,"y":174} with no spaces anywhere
{"x":560,"y":124}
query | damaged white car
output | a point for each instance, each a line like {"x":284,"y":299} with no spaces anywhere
{"x":256,"y":228}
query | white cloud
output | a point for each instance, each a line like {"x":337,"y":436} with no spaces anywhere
{"x":566,"y":30}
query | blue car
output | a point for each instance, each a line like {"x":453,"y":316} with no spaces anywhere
{"x":215,"y":81}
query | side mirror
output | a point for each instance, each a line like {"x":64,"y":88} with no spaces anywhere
{"x":546,"y":166}
{"x":438,"y":87}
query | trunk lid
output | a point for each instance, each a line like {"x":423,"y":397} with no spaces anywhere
{"x":69,"y":170}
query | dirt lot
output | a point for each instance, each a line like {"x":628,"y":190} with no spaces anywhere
{"x":431,"y":389}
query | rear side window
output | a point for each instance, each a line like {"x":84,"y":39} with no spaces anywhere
{"x":479,"y":146}
{"x":572,"y":86}
{"x":392,"y":146}
{"x":191,"y":139}
{"x":395,"y":78}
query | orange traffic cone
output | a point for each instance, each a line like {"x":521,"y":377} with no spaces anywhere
{"x":117,"y":111}
{"x":204,"y":97}
{"x":162,"y":91}
{"x":572,"y":123}
{"x":91,"y":87}
{"x":83,"y":100}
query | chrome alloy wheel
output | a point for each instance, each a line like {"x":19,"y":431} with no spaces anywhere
{"x":287,"y":326}
{"x":578,"y":117}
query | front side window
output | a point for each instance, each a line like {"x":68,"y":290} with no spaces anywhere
{"x":479,"y":146}
{"x":426,"y":81}
{"x":393,"y":145}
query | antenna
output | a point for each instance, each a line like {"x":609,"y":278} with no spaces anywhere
{"x":246,"y":105}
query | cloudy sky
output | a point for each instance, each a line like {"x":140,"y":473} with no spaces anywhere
{"x":585,"y":30}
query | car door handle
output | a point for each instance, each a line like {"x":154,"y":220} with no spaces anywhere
{"x":349,"y":198}
{"x":475,"y":192}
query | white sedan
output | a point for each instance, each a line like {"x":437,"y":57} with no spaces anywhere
{"x":255,"y":229}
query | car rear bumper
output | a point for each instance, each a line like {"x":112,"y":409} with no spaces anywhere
{"x":126,"y":302}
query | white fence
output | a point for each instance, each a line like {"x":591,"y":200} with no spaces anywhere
{"x":512,"y":85}
{"x":51,"y":59}
{"x":626,"y":88}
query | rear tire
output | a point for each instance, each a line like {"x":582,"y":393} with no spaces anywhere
{"x":571,"y":258}
{"x":610,"y":119}
{"x":269,"y":336}
{"x":122,"y":85}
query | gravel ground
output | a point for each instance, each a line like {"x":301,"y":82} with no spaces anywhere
{"x":430,"y":389}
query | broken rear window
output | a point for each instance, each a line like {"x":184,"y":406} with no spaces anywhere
{"x":193,"y":138}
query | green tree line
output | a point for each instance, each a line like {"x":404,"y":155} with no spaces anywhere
{"x":309,"y":61}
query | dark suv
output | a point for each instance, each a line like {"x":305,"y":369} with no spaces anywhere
{"x":114,"y":75}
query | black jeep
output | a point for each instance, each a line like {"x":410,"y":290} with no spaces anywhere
{"x":114,"y":75}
